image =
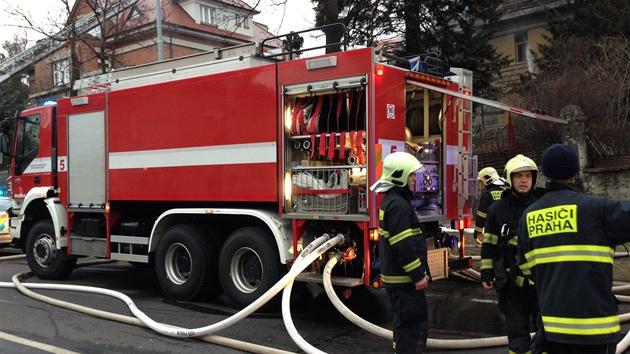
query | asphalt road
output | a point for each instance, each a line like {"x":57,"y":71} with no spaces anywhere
{"x":458,"y":310}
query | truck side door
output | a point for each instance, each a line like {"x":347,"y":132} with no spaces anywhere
{"x":32,"y":163}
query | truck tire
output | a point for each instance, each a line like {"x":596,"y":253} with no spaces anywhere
{"x":249,"y":265}
{"x":186,"y":264}
{"x":42,"y":255}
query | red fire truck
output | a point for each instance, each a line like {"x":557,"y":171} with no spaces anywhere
{"x":217,"y":168}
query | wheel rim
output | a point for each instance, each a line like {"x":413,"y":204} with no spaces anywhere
{"x":44,"y":250}
{"x":178,"y":263}
{"x":246,"y":270}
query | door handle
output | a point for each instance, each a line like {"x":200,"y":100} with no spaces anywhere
{"x":36,"y":180}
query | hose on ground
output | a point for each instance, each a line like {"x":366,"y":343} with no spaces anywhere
{"x":152,"y":324}
{"x":198,"y":332}
{"x":25,"y":289}
{"x":286,"y":302}
{"x":17,"y":256}
{"x":381,"y":332}
{"x":307,"y":256}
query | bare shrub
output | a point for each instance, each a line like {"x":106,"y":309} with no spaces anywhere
{"x":592,"y":74}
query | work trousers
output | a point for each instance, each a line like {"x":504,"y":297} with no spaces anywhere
{"x":561,"y":348}
{"x":411,"y":320}
{"x":519,"y":305}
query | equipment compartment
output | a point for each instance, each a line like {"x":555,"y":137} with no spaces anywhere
{"x":325,"y":147}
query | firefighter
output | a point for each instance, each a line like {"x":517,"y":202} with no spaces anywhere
{"x":403,"y":253}
{"x":493,"y":187}
{"x":566,"y":243}
{"x":499,"y":267}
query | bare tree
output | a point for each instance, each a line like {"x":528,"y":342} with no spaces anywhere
{"x":13,"y":92}
{"x":16,"y":45}
{"x":116,"y":24}
{"x":90,"y":29}
{"x":594,"y":75}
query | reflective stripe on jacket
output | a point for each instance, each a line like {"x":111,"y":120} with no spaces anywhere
{"x":489,"y":196}
{"x":402,"y":248}
{"x":567,"y":242}
{"x":503,"y":217}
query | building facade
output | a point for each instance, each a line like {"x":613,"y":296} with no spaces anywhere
{"x":521,"y":31}
{"x":126,"y":34}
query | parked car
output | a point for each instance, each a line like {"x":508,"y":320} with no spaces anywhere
{"x":5,"y":237}
{"x":5,"y":203}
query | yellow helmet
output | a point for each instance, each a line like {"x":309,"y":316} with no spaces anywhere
{"x":398,"y":166}
{"x":520,"y":163}
{"x":488,"y":175}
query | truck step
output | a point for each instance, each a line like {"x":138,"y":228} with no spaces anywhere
{"x":130,"y":257}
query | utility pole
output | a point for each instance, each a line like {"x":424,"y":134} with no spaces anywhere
{"x":158,"y":19}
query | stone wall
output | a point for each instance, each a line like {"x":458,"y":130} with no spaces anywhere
{"x":613,"y":182}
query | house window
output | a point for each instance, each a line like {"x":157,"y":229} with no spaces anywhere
{"x":522,"y":48}
{"x":208,"y":14}
{"x":135,"y":13}
{"x":95,"y":32}
{"x":107,"y":65}
{"x":242,"y":21}
{"x":61,"y":72}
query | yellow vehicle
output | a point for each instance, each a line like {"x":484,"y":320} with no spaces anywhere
{"x":5,"y":237}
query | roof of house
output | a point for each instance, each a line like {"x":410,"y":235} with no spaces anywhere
{"x":516,"y":8}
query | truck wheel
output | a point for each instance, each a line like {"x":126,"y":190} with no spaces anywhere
{"x":186,"y":264}
{"x":42,"y":255}
{"x":249,"y":265}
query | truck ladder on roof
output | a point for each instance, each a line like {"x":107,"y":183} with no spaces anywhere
{"x":217,"y":61}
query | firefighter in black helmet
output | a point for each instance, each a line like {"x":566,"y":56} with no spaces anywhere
{"x":403,"y":253}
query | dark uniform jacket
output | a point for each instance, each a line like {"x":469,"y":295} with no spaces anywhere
{"x":489,"y":196}
{"x":567,"y":242}
{"x":402,"y":248}
{"x":503,"y":217}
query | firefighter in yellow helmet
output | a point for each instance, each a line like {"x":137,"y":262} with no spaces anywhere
{"x":403,"y":252}
{"x":499,"y":267}
{"x":493,"y":186}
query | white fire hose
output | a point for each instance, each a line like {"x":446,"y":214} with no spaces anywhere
{"x":385,"y":333}
{"x":197,"y":332}
{"x":441,"y":343}
{"x":307,"y":256}
{"x":322,"y":244}
{"x":286,"y":300}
